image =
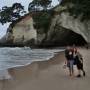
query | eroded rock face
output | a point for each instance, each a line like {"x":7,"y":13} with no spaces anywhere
{"x":61,"y":36}
{"x":65,"y":20}
{"x":75,"y":25}
{"x":22,"y":32}
{"x":63,"y":30}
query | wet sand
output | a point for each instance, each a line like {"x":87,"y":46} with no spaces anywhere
{"x":48,"y":75}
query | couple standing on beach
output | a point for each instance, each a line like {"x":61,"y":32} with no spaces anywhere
{"x":73,"y":57}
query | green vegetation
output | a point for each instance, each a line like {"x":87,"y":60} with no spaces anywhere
{"x":10,"y":14}
{"x":78,"y":8}
{"x":42,"y":16}
{"x":37,"y":4}
{"x":42,"y":20}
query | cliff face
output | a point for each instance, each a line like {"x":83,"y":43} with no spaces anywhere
{"x":66,"y":21}
{"x":63,"y":30}
{"x":22,"y":32}
{"x":61,"y":27}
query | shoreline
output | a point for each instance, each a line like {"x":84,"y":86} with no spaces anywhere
{"x":41,"y":64}
{"x":47,"y":56}
{"x":47,"y":75}
{"x":6,"y":75}
{"x":23,"y":74}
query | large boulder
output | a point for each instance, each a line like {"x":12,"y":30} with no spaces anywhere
{"x":66,"y":29}
{"x":22,"y":32}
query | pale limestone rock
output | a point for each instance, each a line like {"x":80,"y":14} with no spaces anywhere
{"x":64,"y":20}
{"x":24,"y":31}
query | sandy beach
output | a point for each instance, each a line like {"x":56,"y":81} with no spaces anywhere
{"x":47,"y":75}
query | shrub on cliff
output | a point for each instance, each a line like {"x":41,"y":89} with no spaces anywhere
{"x":39,"y":4}
{"x":10,"y":14}
{"x":78,"y":8}
{"x":42,"y":20}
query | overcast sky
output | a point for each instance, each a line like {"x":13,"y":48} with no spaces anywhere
{"x":25,"y":3}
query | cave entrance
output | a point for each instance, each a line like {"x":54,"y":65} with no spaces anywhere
{"x":74,"y":38}
{"x":64,"y":37}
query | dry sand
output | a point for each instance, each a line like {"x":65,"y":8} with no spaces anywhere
{"x":48,"y":75}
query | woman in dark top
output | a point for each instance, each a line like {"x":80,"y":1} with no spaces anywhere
{"x":70,"y":63}
{"x":69,"y":60}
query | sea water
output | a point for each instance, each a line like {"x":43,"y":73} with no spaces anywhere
{"x":16,"y":57}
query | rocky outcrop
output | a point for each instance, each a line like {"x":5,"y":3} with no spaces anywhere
{"x":63,"y":30}
{"x":22,"y":32}
{"x":66,"y":21}
{"x":66,"y":29}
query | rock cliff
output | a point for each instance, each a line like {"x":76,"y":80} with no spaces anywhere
{"x":21,"y":32}
{"x":66,"y":29}
{"x":63,"y":30}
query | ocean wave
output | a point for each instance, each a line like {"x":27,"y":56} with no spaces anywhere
{"x":16,"y":57}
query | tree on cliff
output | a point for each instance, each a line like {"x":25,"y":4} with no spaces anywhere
{"x":39,"y":4}
{"x":41,"y":19}
{"x":79,"y":8}
{"x":10,"y":14}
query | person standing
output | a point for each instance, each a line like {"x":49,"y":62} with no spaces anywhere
{"x":79,"y":64}
{"x":69,"y":60}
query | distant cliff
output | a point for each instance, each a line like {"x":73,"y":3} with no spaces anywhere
{"x":66,"y":29}
{"x":62,"y":30}
{"x":21,"y":32}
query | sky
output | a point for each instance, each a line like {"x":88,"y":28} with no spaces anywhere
{"x":25,"y":3}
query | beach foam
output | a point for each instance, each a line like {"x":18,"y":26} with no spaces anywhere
{"x":15,"y":57}
{"x":4,"y":75}
{"x":18,"y":57}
